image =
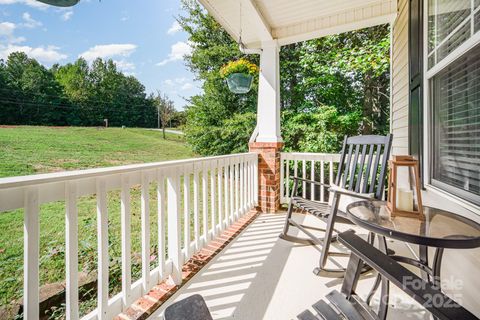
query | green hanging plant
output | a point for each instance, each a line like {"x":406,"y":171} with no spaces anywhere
{"x":239,"y":66}
{"x":239,"y":75}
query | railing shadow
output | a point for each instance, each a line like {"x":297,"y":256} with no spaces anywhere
{"x":240,"y":282}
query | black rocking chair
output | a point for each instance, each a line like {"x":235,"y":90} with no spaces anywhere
{"x":347,"y":304}
{"x":361,"y":175}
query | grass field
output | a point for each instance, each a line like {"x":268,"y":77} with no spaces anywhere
{"x":30,"y":150}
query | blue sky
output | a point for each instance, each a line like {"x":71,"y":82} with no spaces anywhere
{"x":140,"y":35}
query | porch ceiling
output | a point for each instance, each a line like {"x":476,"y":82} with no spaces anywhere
{"x":292,"y":21}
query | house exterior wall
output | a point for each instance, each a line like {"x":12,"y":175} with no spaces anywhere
{"x":459,"y":267}
{"x":399,"y":111}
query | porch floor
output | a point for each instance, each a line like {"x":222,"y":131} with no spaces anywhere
{"x":259,"y":276}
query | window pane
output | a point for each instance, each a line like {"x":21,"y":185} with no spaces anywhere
{"x":476,"y":21}
{"x":450,"y":14}
{"x":449,"y":25}
{"x":454,"y":41}
{"x":431,"y":25}
{"x":456,"y":115}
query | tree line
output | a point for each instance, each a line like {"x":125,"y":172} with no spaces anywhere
{"x":330,"y":87}
{"x":75,"y":94}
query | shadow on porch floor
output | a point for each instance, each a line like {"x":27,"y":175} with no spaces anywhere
{"x":259,"y":276}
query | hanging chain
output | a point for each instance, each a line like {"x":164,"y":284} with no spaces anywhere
{"x":240,"y":32}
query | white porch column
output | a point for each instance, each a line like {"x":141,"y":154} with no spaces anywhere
{"x":268,"y":110}
{"x":269,"y":140}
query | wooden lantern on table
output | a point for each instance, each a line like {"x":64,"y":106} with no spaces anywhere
{"x":404,"y":201}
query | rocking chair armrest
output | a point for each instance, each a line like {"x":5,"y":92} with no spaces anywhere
{"x":351,"y":194}
{"x":420,"y":290}
{"x":310,"y":181}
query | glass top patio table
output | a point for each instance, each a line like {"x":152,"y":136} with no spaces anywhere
{"x":437,"y":228}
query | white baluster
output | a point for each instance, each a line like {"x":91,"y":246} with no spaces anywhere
{"x":31,"y":247}
{"x":220,"y":194}
{"x":186,"y":213}
{"x":213,"y":193}
{"x":237,"y":186}
{"x":196,"y":216}
{"x":161,"y":201}
{"x":227,"y":193}
{"x":331,"y":173}
{"x":103,"y":261}
{"x":249,"y":186}
{"x":205,"y":202}
{"x":174,"y":228}
{"x":231,"y":177}
{"x":125,"y":218}
{"x":304,"y":175}
{"x":71,"y":251}
{"x":287,"y":184}
{"x":145,"y":217}
{"x":283,"y":179}
{"x":245,"y":186}
{"x":312,"y":176}
{"x":322,"y":180}
{"x":255,"y":180}
{"x":242,"y":188}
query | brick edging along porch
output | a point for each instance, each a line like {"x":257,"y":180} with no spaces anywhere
{"x":145,"y":306}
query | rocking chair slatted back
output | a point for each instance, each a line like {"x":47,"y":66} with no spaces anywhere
{"x":363,"y":164}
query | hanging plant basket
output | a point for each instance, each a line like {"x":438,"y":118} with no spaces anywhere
{"x":239,"y":75}
{"x":60,"y":3}
{"x":240,"y":82}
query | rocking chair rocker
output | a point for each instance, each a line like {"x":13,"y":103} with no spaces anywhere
{"x":361,"y":175}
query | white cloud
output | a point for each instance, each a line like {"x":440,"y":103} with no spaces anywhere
{"x":9,"y":44}
{"x":187,"y":86}
{"x":177,"y":52}
{"x":48,"y":54}
{"x":124,"y":66}
{"x":7,"y":30}
{"x":183,"y":83}
{"x":30,"y":3}
{"x":108,"y":51}
{"x":174,"y":28}
{"x":67,"y":15}
{"x":29,"y":22}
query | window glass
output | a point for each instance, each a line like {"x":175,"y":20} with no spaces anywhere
{"x":456,"y":125}
{"x":449,"y":25}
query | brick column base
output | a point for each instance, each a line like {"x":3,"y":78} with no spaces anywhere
{"x":268,"y":174}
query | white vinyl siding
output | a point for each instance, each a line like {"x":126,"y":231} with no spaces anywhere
{"x":399,"y":114}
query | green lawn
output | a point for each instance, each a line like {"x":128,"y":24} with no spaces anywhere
{"x":30,"y":150}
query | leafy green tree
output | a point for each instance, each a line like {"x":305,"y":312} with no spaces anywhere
{"x":34,"y":97}
{"x":74,"y":94}
{"x":165,"y":109}
{"x":330,"y":87}
{"x":206,"y":114}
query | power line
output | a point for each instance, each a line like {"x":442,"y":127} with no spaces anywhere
{"x":89,"y":100}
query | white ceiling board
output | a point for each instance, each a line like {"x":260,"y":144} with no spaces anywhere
{"x":290,"y":21}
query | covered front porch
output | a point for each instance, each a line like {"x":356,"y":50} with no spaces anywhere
{"x":197,"y":202}
{"x":260,"y":276}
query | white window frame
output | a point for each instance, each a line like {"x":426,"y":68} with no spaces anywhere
{"x":428,"y":74}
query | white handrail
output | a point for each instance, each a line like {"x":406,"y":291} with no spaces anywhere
{"x":314,"y":166}
{"x":213,"y":182}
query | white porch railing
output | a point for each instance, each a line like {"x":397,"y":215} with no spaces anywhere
{"x":226,"y":186}
{"x":312,"y":166}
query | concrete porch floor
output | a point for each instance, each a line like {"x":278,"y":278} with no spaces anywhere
{"x":259,"y":276}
